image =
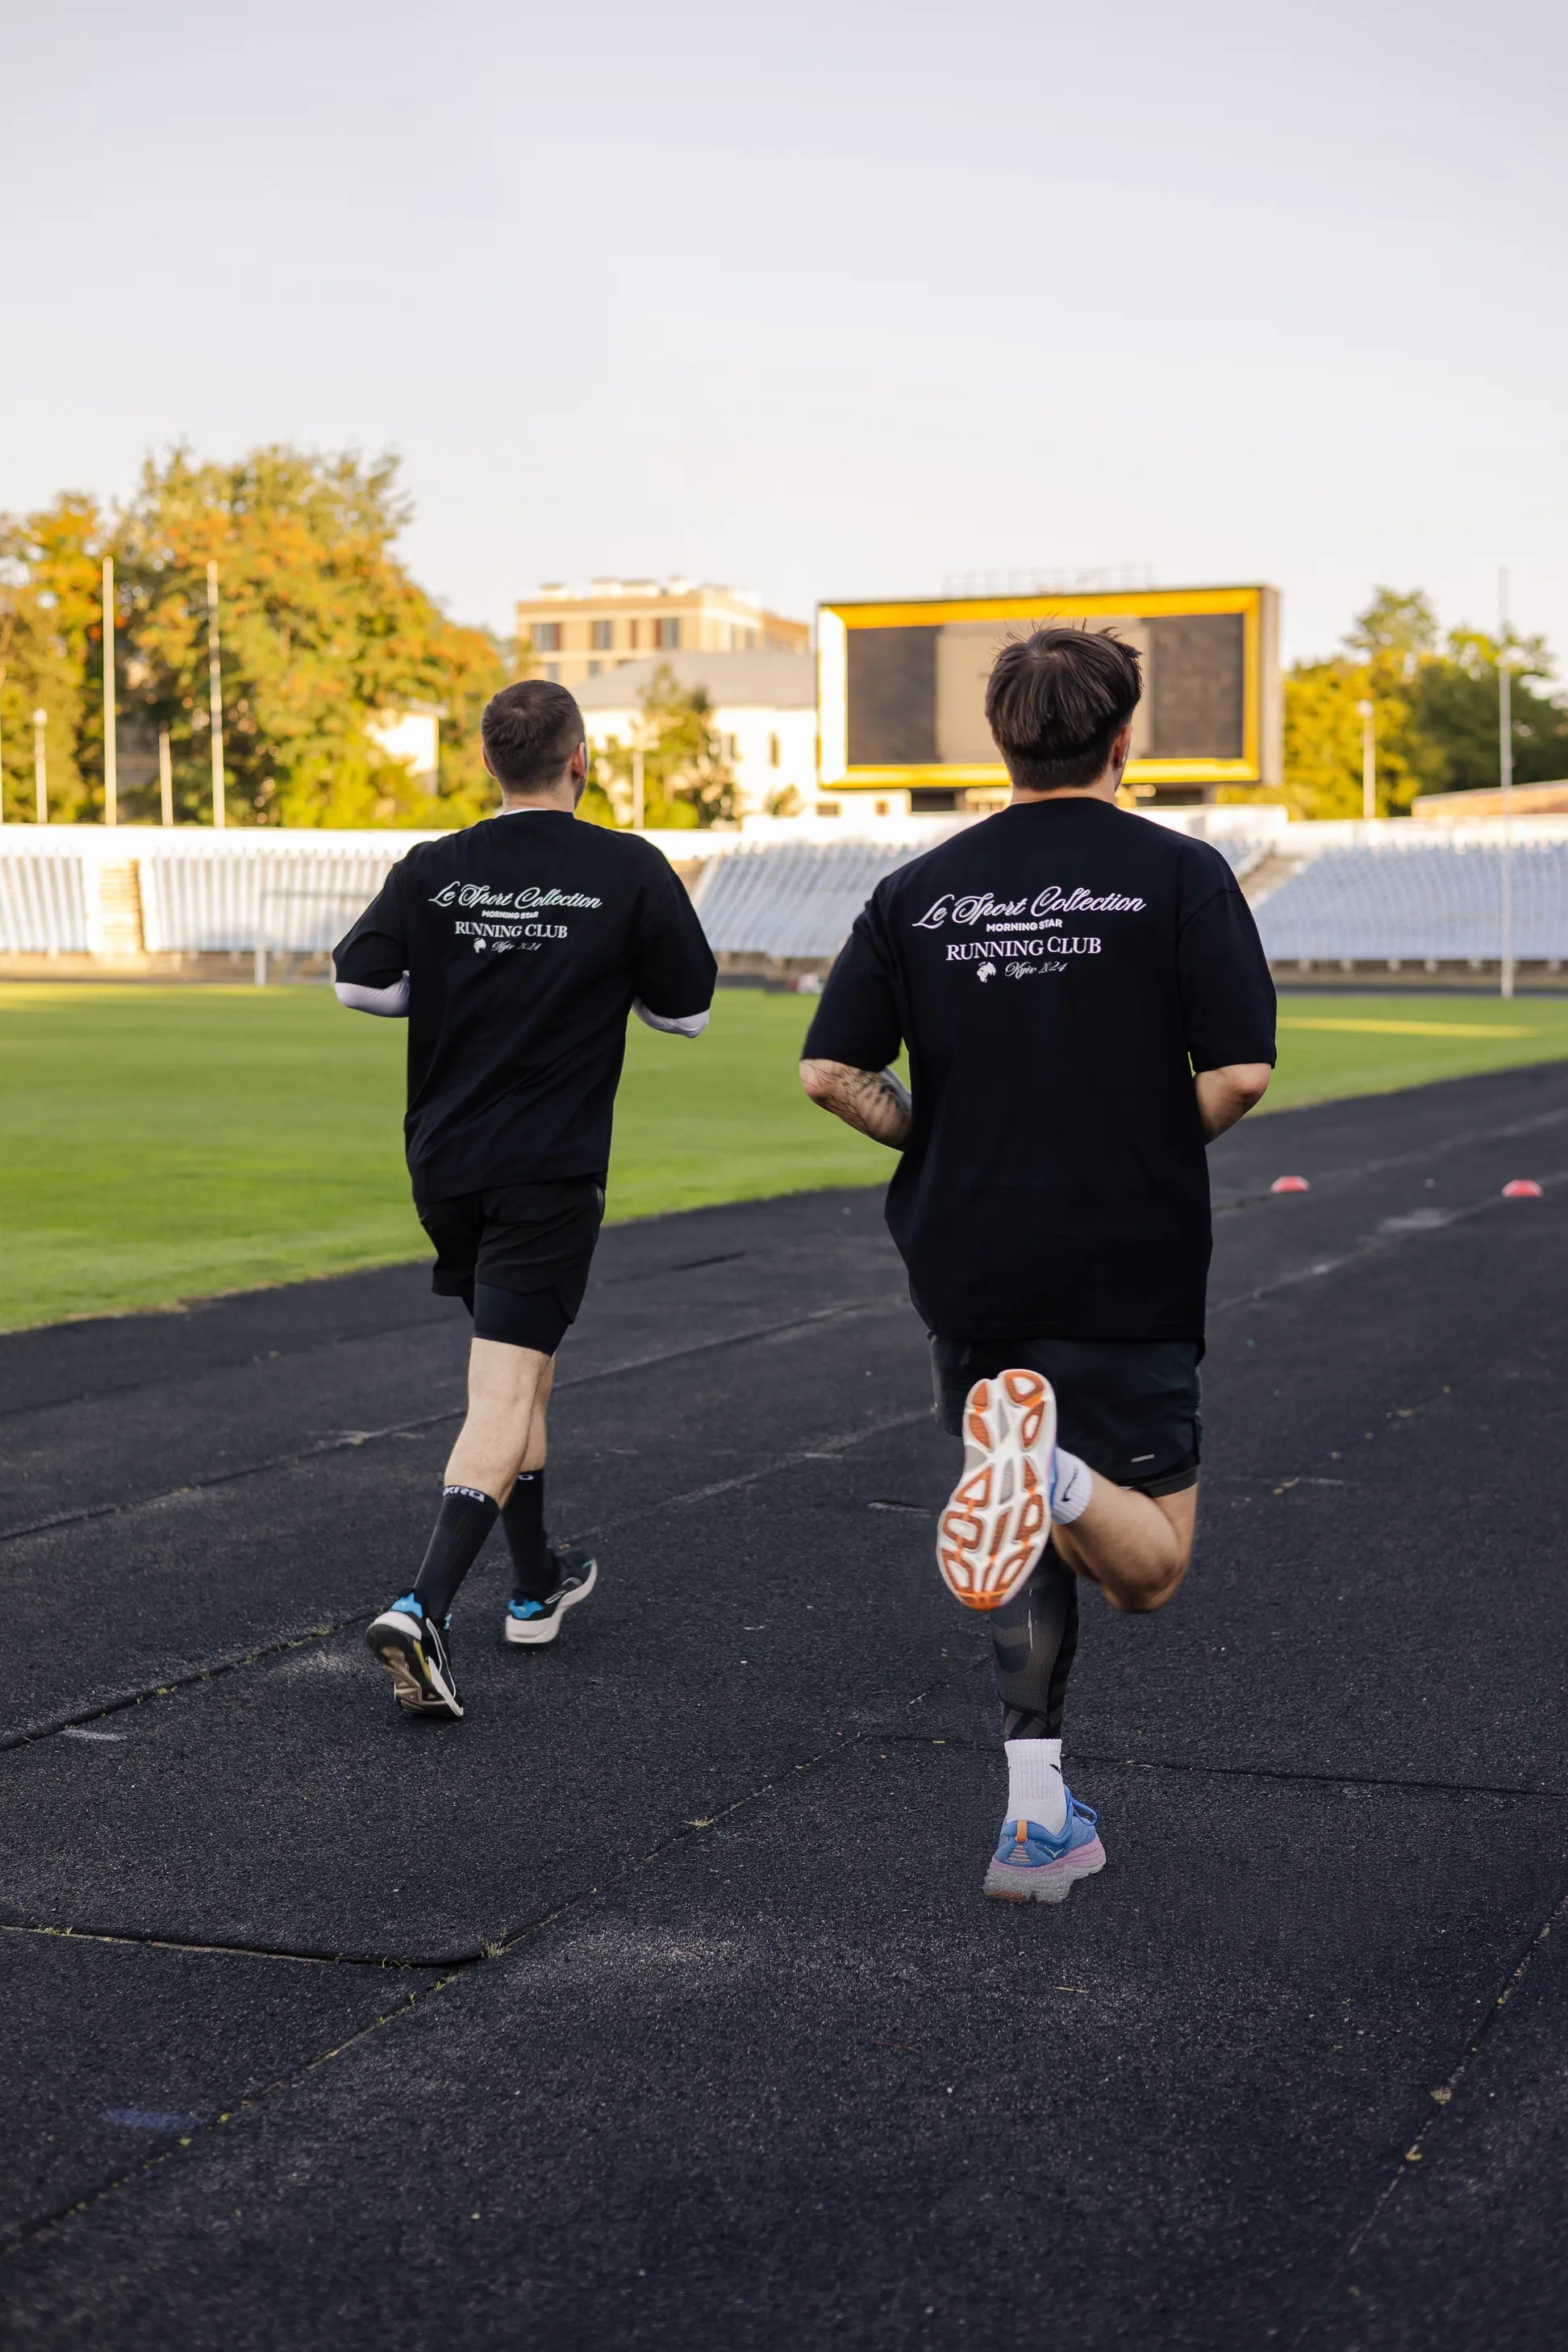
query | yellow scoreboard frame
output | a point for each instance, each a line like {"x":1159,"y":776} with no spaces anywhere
{"x":1262,"y":724}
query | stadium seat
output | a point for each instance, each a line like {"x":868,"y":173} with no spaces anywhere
{"x":1442,"y":904}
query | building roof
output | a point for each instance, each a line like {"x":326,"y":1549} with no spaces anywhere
{"x":762,"y":681}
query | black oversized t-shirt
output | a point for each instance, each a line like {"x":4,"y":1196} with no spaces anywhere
{"x":1057,"y":974}
{"x":526,"y":940}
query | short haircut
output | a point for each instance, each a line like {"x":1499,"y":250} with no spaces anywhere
{"x":530,"y":731}
{"x":1057,"y":702}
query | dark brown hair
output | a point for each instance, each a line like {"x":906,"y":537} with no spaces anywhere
{"x":1057,"y":702}
{"x":530,"y":731}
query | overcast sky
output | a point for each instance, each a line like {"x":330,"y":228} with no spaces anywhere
{"x":834,"y":298}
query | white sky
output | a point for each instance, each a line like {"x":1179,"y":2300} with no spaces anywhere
{"x":832,"y":299}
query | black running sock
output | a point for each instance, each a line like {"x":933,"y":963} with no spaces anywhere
{"x":533,"y":1571}
{"x":465,"y":1519}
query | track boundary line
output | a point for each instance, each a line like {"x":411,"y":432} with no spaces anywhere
{"x":1376,"y":1246}
{"x":347,"y":1441}
{"x":1441,"y":2098}
{"x":1105,"y":1756}
{"x":1339,"y":1179}
{"x":828,"y":1448}
{"x":843,"y":1745}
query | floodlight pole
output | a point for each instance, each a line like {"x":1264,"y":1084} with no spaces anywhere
{"x":215,"y":696}
{"x":41,"y":765}
{"x":111,"y":764}
{"x":1368,"y":759}
{"x":166,"y":778}
{"x":1505,"y":775}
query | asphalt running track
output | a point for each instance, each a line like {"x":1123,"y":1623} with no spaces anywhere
{"x":656,"y":2004}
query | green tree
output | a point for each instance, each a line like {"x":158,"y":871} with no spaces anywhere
{"x":322,"y":630}
{"x":687,"y":780}
{"x":1435,"y":712}
{"x":50,"y":655}
{"x":1455,"y":707}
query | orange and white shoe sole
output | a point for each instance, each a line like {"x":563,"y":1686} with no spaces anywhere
{"x":997,"y":1521}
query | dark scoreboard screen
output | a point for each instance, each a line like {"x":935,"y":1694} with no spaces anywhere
{"x":904,"y":688}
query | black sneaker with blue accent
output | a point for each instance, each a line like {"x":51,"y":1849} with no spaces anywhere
{"x":532,"y":1622}
{"x":412,"y":1648}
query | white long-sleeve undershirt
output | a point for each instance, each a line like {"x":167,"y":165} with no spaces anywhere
{"x":392,"y":1004}
{"x":684,"y":1024}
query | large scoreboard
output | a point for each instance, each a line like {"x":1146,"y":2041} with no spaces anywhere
{"x":901,"y":688}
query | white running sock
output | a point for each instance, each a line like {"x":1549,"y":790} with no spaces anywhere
{"x":1035,"y":1790}
{"x":1074,"y":1487}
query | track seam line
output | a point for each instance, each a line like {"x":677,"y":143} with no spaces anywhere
{"x":351,"y":1440}
{"x":828,"y":1447}
{"x":456,"y":1972}
{"x":347,"y":1338}
{"x":1244,"y":1771}
{"x":1379,"y":1247}
{"x":1441,"y":2099}
{"x":1339,"y":1179}
{"x":152,"y":1942}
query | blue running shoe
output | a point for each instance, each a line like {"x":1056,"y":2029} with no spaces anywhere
{"x":1029,"y":1865}
{"x":533,"y":1623}
{"x":413,"y":1650}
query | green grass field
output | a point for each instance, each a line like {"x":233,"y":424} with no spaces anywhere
{"x":168,"y":1144}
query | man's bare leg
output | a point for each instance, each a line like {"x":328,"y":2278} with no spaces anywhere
{"x":1135,"y":1546}
{"x":509,"y":1390}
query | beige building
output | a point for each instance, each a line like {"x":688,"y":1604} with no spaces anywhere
{"x":763,"y":708}
{"x":573,"y":633}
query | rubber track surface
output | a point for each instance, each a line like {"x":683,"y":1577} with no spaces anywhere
{"x":655,"y":2003}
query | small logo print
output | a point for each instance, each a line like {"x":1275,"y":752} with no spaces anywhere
{"x":985,"y":972}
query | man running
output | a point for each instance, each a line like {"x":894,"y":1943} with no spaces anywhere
{"x":1086,"y":1004}
{"x":516,"y":950}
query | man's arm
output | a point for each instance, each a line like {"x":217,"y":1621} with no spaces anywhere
{"x":1226,"y":1095}
{"x":391,"y":1002}
{"x":673,"y":971}
{"x":370,"y":963}
{"x":871,"y":1100}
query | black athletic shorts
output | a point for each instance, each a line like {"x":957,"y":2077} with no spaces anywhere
{"x":1131,"y":1408}
{"x":517,"y":1255}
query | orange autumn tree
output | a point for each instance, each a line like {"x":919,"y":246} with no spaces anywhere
{"x":323,"y":631}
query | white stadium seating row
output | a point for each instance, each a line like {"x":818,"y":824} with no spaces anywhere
{"x":43,"y":905}
{"x":1442,"y":904}
{"x":1349,"y":894}
{"x":226,"y":900}
{"x":793,"y":901}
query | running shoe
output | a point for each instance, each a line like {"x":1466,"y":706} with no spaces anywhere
{"x":1029,"y":1865}
{"x":533,"y":1622}
{"x":412,"y":1649}
{"x":997,"y":1520}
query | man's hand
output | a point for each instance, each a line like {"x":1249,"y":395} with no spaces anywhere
{"x":1224,"y":1096}
{"x":871,"y":1100}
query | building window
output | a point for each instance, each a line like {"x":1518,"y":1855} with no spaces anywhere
{"x":546,"y":636}
{"x":667,"y":633}
{"x":594,"y":667}
{"x":552,"y":672}
{"x":604,"y":636}
{"x":773,"y":751}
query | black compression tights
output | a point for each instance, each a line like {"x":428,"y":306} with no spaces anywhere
{"x":1033,"y":1639}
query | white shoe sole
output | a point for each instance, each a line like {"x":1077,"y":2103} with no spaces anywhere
{"x":532,"y":1632}
{"x":1051,"y":1883}
{"x":997,"y":1520}
{"x":395,"y":1639}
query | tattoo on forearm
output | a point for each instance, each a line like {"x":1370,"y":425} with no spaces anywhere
{"x":871,"y":1100}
